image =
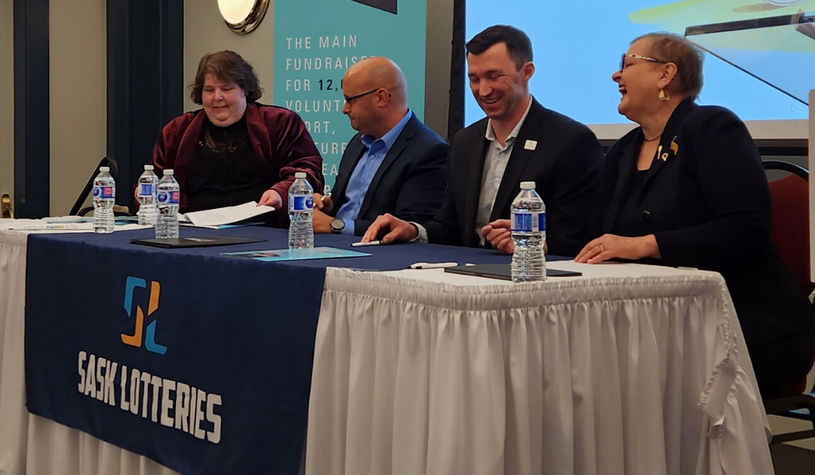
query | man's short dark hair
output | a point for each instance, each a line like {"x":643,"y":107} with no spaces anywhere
{"x":518,"y":45}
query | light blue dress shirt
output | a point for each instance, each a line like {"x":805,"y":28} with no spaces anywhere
{"x":365,"y":171}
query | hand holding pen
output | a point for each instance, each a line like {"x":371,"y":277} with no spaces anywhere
{"x":323,"y":202}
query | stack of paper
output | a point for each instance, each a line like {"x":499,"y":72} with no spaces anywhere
{"x":216,"y":218}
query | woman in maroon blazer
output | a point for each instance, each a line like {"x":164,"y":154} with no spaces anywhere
{"x":687,"y":188}
{"x":235,"y":150}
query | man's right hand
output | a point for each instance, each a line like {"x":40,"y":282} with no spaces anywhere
{"x":389,"y":228}
{"x":323,"y":203}
{"x":499,"y":234}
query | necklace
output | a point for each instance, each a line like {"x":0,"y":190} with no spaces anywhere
{"x":651,"y":139}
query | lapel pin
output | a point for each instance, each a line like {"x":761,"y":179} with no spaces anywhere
{"x":662,"y":156}
{"x":531,"y":145}
{"x":674,"y":146}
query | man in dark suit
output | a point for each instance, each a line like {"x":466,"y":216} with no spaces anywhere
{"x":519,"y":140}
{"x":393,"y":165}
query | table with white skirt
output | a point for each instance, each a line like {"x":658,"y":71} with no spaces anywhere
{"x":629,"y":369}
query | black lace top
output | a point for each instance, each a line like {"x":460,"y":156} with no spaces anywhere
{"x":225,"y":170}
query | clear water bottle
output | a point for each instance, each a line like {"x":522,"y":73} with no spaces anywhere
{"x":104,"y":197}
{"x":148,"y":184}
{"x":528,"y":235}
{"x":301,"y":203}
{"x":167,"y":197}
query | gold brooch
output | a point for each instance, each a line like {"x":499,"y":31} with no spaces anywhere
{"x":666,"y":155}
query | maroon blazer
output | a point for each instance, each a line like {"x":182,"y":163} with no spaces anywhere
{"x":278,"y":136}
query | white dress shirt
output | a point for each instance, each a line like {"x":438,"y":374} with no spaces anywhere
{"x":495,"y":163}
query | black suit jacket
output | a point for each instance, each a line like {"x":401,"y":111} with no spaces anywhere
{"x":707,"y":202}
{"x":566,"y":165}
{"x":408,"y":184}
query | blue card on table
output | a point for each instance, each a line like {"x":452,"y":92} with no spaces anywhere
{"x":296,"y":254}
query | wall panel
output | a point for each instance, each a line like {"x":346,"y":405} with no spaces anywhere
{"x":78,"y":97}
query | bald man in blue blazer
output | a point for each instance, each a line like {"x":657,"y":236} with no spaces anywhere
{"x":395,"y":164}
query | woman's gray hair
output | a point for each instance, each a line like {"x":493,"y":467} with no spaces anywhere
{"x":688,"y":58}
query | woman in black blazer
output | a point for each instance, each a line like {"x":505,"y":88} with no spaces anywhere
{"x":687,"y":188}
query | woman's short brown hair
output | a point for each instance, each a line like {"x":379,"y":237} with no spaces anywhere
{"x":687,"y":57}
{"x":226,"y":66}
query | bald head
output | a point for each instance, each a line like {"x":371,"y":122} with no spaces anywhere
{"x":386,"y":102}
{"x":379,"y":72}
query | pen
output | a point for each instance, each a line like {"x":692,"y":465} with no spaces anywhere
{"x":432,"y":265}
{"x":371,"y":243}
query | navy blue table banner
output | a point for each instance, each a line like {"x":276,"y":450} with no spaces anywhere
{"x":201,"y":363}
{"x":197,"y":361}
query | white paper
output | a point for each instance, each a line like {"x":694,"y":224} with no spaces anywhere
{"x":53,"y":227}
{"x":226,"y":215}
{"x":11,"y":223}
{"x":45,"y":226}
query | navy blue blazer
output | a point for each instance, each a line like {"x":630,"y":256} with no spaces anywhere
{"x":706,"y":200}
{"x":409,"y":183}
{"x":565,"y":163}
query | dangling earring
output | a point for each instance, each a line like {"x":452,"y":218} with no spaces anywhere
{"x":662,"y":96}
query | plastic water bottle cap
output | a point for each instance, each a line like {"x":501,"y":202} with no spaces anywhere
{"x":104,"y":169}
{"x":527,"y":185}
{"x":300,"y":175}
{"x":168,"y":171}
{"x":148,"y":168}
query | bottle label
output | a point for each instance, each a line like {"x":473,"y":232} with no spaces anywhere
{"x":168,"y":197}
{"x":301,"y":203}
{"x":104,"y":192}
{"x":528,"y":222}
{"x":146,"y":189}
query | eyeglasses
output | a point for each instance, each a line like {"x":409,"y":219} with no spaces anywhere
{"x":636,"y":56}
{"x":350,"y":99}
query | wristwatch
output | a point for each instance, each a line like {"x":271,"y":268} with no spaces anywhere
{"x":337,"y":226}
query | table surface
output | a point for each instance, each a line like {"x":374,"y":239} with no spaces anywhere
{"x":383,"y":257}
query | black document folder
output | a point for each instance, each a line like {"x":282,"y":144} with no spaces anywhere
{"x":502,"y":271}
{"x":195,"y":241}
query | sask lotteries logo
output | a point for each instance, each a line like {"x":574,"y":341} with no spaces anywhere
{"x":149,"y":336}
{"x":384,"y":5}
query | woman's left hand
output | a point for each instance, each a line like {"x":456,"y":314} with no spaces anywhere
{"x":609,"y":246}
{"x":271,"y":198}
